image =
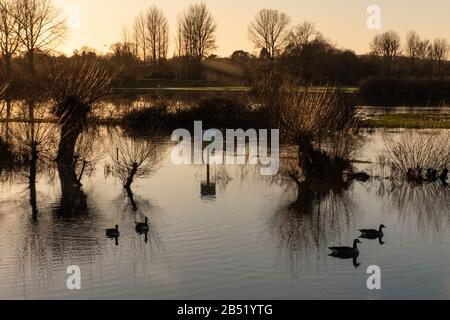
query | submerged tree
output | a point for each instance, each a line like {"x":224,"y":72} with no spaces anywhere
{"x":74,"y":87}
{"x":134,"y":158}
{"x":36,"y":143}
{"x":315,"y":121}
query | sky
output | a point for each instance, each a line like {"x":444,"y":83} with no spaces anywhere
{"x":344,"y":22}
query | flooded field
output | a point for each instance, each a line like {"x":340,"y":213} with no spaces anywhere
{"x":241,"y":239}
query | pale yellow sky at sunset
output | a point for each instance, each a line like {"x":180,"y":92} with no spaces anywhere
{"x":342,"y":21}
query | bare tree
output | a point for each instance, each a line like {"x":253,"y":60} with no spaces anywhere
{"x":42,"y":27}
{"x":157,"y":33}
{"x":387,"y":45}
{"x":198,"y":29}
{"x":9,"y":33}
{"x":140,"y":36}
{"x":308,"y":118}
{"x":269,"y":30}
{"x":413,"y":44}
{"x":424,"y":49}
{"x":440,"y":51}
{"x":75,"y":86}
{"x":196,"y":32}
{"x":303,"y":34}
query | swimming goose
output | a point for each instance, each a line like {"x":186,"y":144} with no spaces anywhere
{"x":143,"y":227}
{"x":372,"y":234}
{"x":346,"y":252}
{"x":113,"y":233}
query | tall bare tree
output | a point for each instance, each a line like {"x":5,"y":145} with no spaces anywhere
{"x":196,"y":35}
{"x":157,"y":33}
{"x":303,"y":34}
{"x":9,"y":33}
{"x":269,"y":30}
{"x":42,"y":27}
{"x":198,"y":30}
{"x":140,"y":36}
{"x":413,"y":45}
{"x":440,"y":51}
{"x":388,"y":46}
{"x":424,"y":49}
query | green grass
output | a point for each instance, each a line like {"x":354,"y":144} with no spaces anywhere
{"x":238,"y":89}
{"x":410,"y":121}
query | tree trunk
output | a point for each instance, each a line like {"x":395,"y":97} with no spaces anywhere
{"x":31,"y":62}
{"x":66,"y":154}
{"x":130,"y":178}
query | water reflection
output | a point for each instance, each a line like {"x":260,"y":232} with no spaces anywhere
{"x":266,"y":238}
{"x":428,"y":203}
{"x":321,"y":214}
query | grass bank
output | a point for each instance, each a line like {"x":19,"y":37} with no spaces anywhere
{"x":143,"y":85}
{"x":409,"y":121}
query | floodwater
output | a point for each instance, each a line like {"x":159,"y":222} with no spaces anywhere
{"x":239,"y":238}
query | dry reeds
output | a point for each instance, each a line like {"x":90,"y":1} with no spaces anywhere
{"x":418,"y":151}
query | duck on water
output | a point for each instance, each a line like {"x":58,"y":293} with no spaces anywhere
{"x":346,"y":252}
{"x":372,"y":234}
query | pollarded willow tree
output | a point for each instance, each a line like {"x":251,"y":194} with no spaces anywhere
{"x":75,"y":85}
{"x":269,"y":30}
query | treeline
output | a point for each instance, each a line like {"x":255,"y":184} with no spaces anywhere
{"x":31,"y":29}
{"x":297,"y":49}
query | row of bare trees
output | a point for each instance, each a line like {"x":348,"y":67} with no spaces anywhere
{"x":151,"y":35}
{"x":28,"y":27}
{"x":271,"y":32}
{"x":388,"y":46}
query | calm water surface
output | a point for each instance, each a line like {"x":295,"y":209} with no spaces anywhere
{"x":246,"y":242}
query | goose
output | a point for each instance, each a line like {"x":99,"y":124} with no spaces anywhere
{"x":372,"y":234}
{"x":346,"y":252}
{"x":143,"y":227}
{"x":113,"y":233}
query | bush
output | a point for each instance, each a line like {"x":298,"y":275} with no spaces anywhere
{"x":216,"y":112}
{"x":147,"y":119}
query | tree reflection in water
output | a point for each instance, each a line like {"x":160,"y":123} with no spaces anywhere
{"x":428,"y":204}
{"x":132,"y":158}
{"x":34,"y":143}
{"x":322,"y":213}
{"x":88,"y":151}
